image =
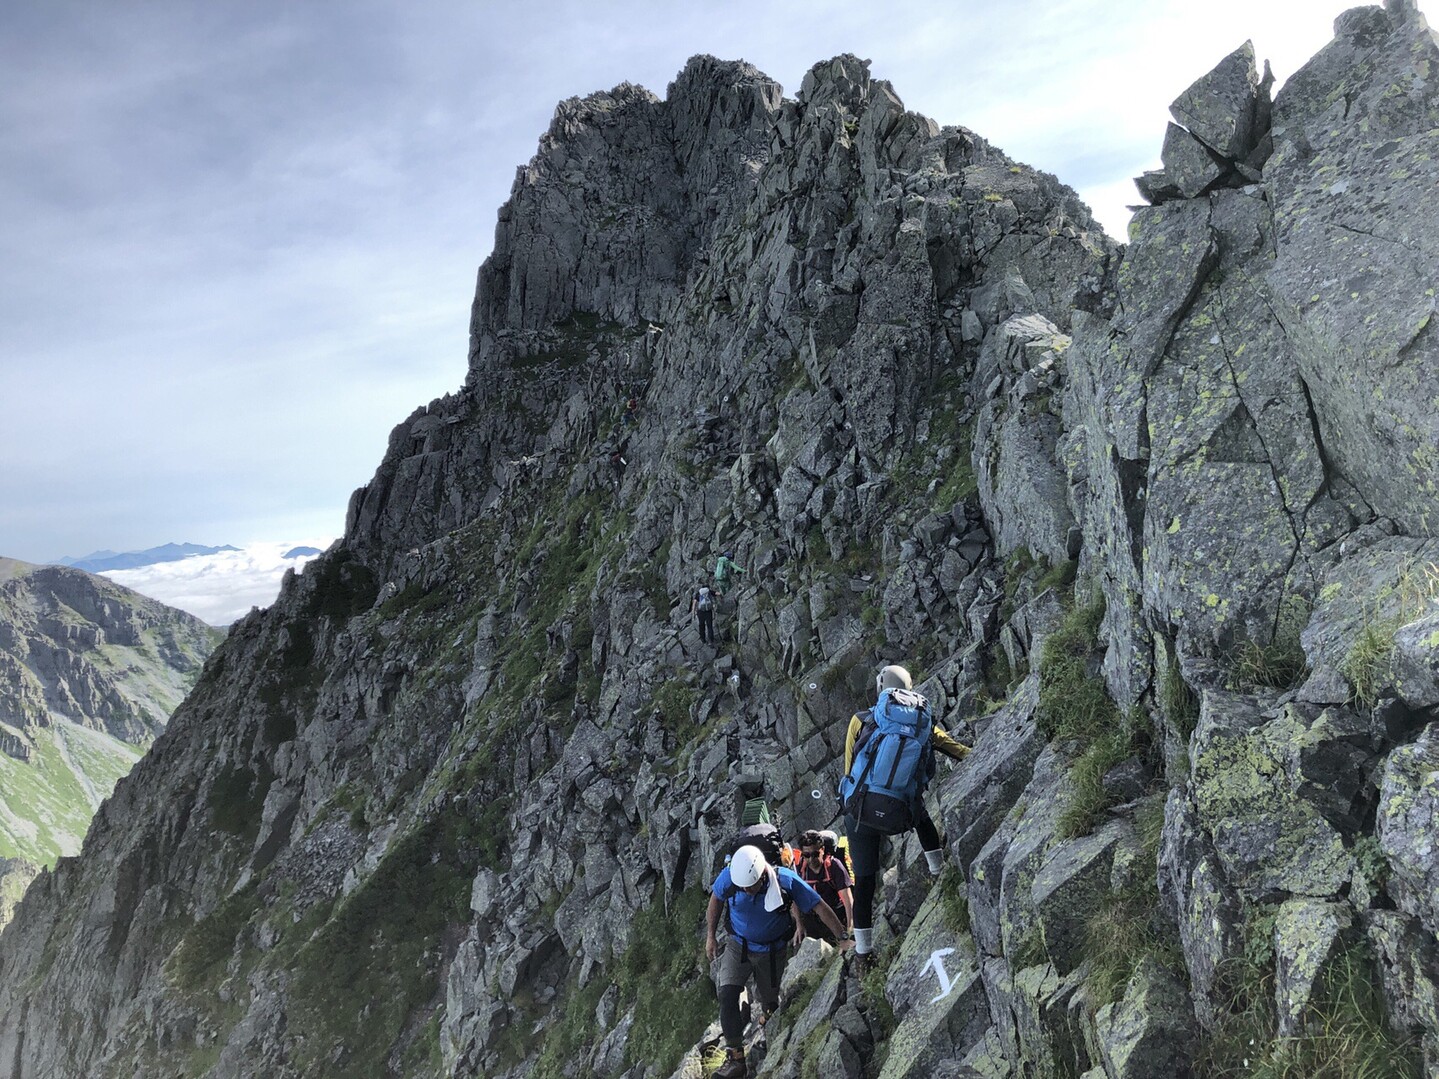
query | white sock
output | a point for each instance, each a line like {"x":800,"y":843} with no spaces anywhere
{"x":863,"y":941}
{"x":935,"y":858}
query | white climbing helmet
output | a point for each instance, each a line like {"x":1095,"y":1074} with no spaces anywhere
{"x":892,"y":677}
{"x":747,"y":866}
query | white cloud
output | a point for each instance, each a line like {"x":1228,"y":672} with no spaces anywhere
{"x":218,"y":588}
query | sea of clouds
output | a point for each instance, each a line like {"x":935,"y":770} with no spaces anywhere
{"x":219,"y":588}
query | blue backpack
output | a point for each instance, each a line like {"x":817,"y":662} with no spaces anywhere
{"x":893,"y":763}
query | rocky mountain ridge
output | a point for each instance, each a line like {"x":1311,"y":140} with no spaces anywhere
{"x":1151,"y":522}
{"x":89,"y":674}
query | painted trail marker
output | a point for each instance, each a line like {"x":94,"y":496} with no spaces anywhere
{"x":936,"y":960}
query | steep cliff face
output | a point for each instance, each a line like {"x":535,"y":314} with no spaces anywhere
{"x":89,"y":674}
{"x":447,"y":807}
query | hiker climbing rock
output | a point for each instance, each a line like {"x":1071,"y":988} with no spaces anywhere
{"x":757,"y":897}
{"x":702,"y":606}
{"x":725,"y":571}
{"x":888,"y":762}
{"x":823,"y":871}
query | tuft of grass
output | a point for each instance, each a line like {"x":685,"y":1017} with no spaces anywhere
{"x":1059,"y":577}
{"x":1073,"y":703}
{"x":1090,"y":799}
{"x":882,"y":1020}
{"x":674,"y":699}
{"x":1344,"y":1033}
{"x":956,"y":903}
{"x":663,"y":974}
{"x":1177,"y":702}
{"x":360,"y":976}
{"x":1366,"y":665}
{"x":1126,"y":926}
{"x":1028,"y":950}
{"x":1075,"y":706}
{"x":1279,"y":662}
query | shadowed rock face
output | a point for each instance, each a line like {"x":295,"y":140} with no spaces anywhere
{"x":476,"y":757}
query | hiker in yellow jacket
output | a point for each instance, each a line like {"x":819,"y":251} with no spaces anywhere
{"x":865,"y":844}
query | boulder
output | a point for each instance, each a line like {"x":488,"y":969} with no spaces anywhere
{"x":975,"y":797}
{"x":1355,"y":148}
{"x":1189,"y":165}
{"x":1069,"y":887}
{"x":1267,"y":839}
{"x":1408,"y":827}
{"x":1219,"y":108}
{"x":1151,"y":1033}
{"x":1408,"y":962}
{"x":1416,"y":661}
{"x":1197,"y":898}
{"x":937,"y":995}
{"x":1306,"y":934}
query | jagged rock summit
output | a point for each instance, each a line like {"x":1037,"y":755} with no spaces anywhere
{"x":448,"y":808}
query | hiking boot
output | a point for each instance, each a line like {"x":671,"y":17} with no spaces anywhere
{"x":861,"y":963}
{"x":734,"y":1066}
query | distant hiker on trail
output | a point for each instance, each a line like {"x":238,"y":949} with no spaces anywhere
{"x":826,"y":874}
{"x":724,"y":569}
{"x":888,"y":762}
{"x":632,"y":410}
{"x":758,"y":897}
{"x":702,"y":605}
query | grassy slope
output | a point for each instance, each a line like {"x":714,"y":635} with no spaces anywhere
{"x":46,"y":804}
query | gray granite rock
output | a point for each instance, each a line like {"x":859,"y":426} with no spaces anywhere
{"x":1406,"y":827}
{"x":1151,"y":1033}
{"x":1220,"y":108}
{"x":1189,"y":165}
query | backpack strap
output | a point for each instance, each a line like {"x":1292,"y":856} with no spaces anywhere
{"x":889,"y":780}
{"x":868,"y":765}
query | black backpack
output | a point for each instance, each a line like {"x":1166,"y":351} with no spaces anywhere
{"x":764,"y":836}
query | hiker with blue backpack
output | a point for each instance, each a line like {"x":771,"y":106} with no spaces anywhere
{"x":888,"y":763}
{"x":757,"y":896}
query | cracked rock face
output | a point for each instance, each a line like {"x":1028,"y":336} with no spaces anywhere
{"x":1356,"y":133}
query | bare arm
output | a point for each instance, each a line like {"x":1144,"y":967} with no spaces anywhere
{"x":827,"y":916}
{"x":712,"y":913}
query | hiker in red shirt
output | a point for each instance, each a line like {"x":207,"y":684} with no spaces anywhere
{"x":826,"y":874}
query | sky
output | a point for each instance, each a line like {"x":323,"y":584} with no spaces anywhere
{"x":239,"y":238}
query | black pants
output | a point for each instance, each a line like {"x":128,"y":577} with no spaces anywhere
{"x":864,"y":850}
{"x":707,"y":625}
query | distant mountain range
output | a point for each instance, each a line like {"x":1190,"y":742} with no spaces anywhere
{"x":99,"y":561}
{"x":303,"y":552}
{"x":89,"y":674}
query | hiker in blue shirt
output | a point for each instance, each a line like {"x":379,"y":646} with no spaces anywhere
{"x":757,"y":896}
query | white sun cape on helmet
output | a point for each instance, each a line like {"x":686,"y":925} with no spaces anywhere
{"x":747,"y":866}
